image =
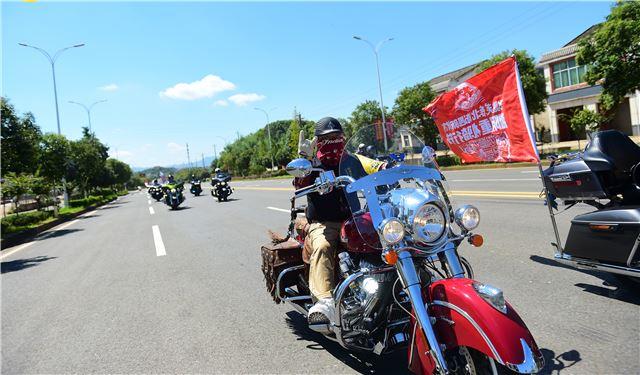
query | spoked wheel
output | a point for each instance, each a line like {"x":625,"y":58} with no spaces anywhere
{"x":466,"y":361}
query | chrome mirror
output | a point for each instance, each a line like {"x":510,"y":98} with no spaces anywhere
{"x":299,"y":167}
{"x":428,"y":155}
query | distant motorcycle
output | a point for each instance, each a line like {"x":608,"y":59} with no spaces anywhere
{"x":156,"y":192}
{"x":220,"y":186}
{"x":173,"y":195}
{"x":196,"y":188}
{"x":606,"y":175}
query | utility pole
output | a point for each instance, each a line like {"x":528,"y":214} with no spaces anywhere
{"x":202,"y":160}
{"x":188,"y":158}
{"x":215,"y":155}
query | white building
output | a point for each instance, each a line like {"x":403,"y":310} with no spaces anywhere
{"x":568,"y":93}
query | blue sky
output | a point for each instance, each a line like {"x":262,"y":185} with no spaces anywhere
{"x":232,"y":57}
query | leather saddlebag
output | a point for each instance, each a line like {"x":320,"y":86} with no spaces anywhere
{"x":276,"y":258}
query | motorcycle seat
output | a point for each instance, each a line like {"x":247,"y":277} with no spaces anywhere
{"x":611,"y":150}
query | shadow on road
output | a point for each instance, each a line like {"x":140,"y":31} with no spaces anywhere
{"x":394,"y":363}
{"x":57,"y":233}
{"x":554,"y":364}
{"x":612,"y":286}
{"x":20,"y":264}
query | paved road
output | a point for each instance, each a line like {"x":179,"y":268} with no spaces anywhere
{"x":98,"y":295}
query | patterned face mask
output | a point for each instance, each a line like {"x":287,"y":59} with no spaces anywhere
{"x":330,"y":151}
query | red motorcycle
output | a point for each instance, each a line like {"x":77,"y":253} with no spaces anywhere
{"x":401,"y":283}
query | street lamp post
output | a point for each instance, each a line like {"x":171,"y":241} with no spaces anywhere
{"x":88,"y":109}
{"x":52,"y":61}
{"x":269,"y":133}
{"x":376,"y":50}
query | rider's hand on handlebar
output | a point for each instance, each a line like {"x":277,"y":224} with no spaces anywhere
{"x":306,"y":148}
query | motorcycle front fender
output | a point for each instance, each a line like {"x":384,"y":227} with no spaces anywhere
{"x":463,"y":318}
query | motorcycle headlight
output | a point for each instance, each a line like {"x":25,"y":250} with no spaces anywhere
{"x":467,"y":217}
{"x":173,"y":190}
{"x":429,"y":223}
{"x":492,"y":295}
{"x":392,"y":231}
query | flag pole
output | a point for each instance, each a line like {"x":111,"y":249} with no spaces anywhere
{"x":527,"y":120}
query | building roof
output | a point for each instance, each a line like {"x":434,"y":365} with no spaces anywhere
{"x":568,"y":49}
{"x":452,"y":75}
{"x":575,"y":94}
{"x":584,"y":34}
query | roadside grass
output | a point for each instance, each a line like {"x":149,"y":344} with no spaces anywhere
{"x":20,"y":222}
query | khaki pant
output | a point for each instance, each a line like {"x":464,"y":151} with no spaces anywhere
{"x":324,"y":238}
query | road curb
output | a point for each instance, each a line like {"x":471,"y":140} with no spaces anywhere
{"x":29,"y":234}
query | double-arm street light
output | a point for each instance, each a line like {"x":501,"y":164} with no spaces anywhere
{"x":376,"y":50}
{"x":88,"y":109}
{"x":52,"y":61}
{"x":268,"y":132}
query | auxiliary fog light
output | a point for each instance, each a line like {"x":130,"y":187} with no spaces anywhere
{"x":492,"y":295}
{"x":370,"y":285}
{"x":392,"y":231}
{"x":468,"y":217}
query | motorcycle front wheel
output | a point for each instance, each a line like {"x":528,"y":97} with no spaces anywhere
{"x":467,"y":361}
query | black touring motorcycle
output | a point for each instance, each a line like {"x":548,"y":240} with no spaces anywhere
{"x":606,"y":176}
{"x":220,"y":187}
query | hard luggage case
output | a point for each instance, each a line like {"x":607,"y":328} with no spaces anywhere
{"x":608,"y":236}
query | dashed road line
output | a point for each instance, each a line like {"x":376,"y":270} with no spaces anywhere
{"x":157,"y":240}
{"x":151,"y":211}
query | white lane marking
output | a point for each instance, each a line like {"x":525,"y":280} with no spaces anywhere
{"x":495,"y":179}
{"x":40,"y":237}
{"x":279,"y":209}
{"x":529,"y":171}
{"x":157,"y":239}
{"x":151,"y":211}
{"x":149,"y":201}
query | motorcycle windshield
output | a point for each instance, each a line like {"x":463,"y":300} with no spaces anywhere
{"x":397,"y":186}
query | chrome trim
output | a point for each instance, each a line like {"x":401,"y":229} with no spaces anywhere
{"x":411,"y":282}
{"x":633,"y":251}
{"x":530,"y":364}
{"x":586,"y":264}
{"x":338,"y":294}
{"x":473,"y":323}
{"x":289,"y":298}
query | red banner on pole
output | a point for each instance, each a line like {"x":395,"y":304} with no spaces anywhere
{"x":485,"y":118}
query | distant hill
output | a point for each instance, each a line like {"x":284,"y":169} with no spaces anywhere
{"x":172,"y":169}
{"x":155,"y":171}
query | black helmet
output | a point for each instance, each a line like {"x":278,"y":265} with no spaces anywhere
{"x":327,"y":125}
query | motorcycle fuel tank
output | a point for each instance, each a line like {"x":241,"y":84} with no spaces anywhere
{"x":359,"y":235}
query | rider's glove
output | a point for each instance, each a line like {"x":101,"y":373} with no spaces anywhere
{"x":306,"y":148}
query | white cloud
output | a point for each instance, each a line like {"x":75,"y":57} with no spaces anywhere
{"x":109,"y":87}
{"x":174,"y":147}
{"x":243,"y":99}
{"x":221,"y":103}
{"x":207,"y":87}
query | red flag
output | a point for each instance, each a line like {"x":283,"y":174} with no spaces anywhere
{"x":485,"y":118}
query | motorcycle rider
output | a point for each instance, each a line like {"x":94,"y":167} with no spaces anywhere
{"x":327,"y":212}
{"x":170,"y":179}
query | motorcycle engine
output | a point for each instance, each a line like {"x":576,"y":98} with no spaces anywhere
{"x":366,"y":306}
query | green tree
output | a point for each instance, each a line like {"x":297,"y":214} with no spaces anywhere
{"x":20,"y":140}
{"x":533,"y":83}
{"x":407,"y":110}
{"x":54,"y":156}
{"x":119,"y":171}
{"x":612,"y":53}
{"x":366,"y":113}
{"x":89,"y":156}
{"x":15,"y":186}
